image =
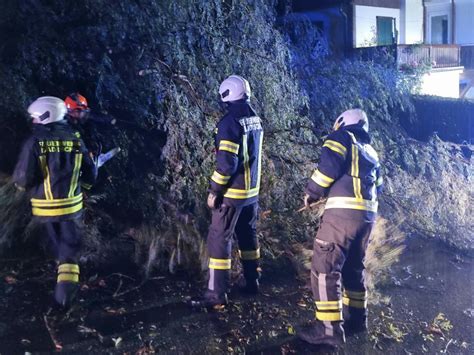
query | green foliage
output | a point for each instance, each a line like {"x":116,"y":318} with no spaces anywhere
{"x":14,"y":217}
{"x":442,"y":323}
{"x":454,"y":121}
{"x":156,"y":67}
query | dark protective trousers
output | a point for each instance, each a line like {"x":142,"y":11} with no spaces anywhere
{"x":337,"y":272}
{"x":64,"y":239}
{"x":227,"y":221}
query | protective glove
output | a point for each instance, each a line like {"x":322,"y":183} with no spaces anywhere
{"x":308,"y":200}
{"x":214,"y":200}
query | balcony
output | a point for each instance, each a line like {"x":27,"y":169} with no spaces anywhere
{"x":436,"y":56}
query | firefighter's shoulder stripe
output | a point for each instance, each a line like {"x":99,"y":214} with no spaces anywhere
{"x":229,"y":146}
{"x":335,"y":147}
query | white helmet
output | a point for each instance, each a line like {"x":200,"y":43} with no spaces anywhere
{"x":234,"y":88}
{"x":47,"y":109}
{"x":352,"y":117}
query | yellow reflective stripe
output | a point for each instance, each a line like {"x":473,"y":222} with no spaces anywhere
{"x":329,"y":305}
{"x":354,"y":303}
{"x":321,"y":179}
{"x":351,"y":203}
{"x":69,"y":268}
{"x":329,"y":316}
{"x":38,"y":211}
{"x":56,"y":202}
{"x":355,"y":171}
{"x":249,"y":254}
{"x":75,"y":174}
{"x":220,"y":179}
{"x":248,"y":193}
{"x":246,"y":162}
{"x":241,"y":194}
{"x":219,"y":264}
{"x":47,"y":181}
{"x":259,"y":169}
{"x":229,"y":146}
{"x":379,"y":181}
{"x":68,"y":277}
{"x":360,"y":295}
{"x":336,"y":147}
{"x":355,"y":167}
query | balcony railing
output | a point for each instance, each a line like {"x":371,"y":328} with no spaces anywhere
{"x":436,"y":56}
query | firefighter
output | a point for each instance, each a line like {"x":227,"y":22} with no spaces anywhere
{"x":233,"y":194}
{"x":77,"y":108}
{"x":53,"y":165}
{"x":348,"y":174}
{"x":78,"y":115}
{"x":78,"y":111}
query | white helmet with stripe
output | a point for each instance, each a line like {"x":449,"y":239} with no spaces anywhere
{"x":234,"y":88}
{"x":352,"y":117}
{"x":47,"y":109}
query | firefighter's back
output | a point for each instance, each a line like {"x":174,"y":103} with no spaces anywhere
{"x":60,"y":155}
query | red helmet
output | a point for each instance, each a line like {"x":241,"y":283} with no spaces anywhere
{"x":76,"y":101}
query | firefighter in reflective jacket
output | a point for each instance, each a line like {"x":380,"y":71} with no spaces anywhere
{"x":233,"y":196}
{"x":348,"y":174}
{"x":53,"y":165}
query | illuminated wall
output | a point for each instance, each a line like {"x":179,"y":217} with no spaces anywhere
{"x":464,"y":16}
{"x":442,"y":82}
{"x":411,"y":22}
{"x":365,"y":23}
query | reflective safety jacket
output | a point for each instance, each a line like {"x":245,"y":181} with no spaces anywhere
{"x":348,"y":173}
{"x":238,"y":142}
{"x":53,"y":164}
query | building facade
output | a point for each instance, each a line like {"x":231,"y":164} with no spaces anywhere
{"x":423,"y":32}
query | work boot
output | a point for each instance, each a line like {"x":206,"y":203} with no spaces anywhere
{"x":316,"y":334}
{"x":248,"y":287}
{"x":67,"y":284}
{"x":65,"y":293}
{"x":210,"y":300}
{"x":352,"y":326}
{"x":355,"y":320}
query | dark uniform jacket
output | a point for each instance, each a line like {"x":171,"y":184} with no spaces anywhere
{"x":238,"y":144}
{"x":52,"y":165}
{"x":348,"y":174}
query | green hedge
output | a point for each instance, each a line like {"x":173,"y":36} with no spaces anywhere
{"x":451,"y":119}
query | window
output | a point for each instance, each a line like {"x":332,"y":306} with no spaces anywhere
{"x":439,"y":29}
{"x":386,"y":31}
